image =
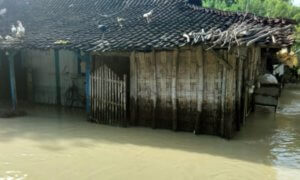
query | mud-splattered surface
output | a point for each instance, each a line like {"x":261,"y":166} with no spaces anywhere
{"x":55,"y":144}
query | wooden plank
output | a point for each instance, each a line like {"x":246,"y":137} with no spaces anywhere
{"x":119,"y":102}
{"x":238,"y":93}
{"x":12,"y":78}
{"x":78,"y":53}
{"x":230,"y":98}
{"x":223,"y":98}
{"x":115,"y":99}
{"x":101,"y":93}
{"x":217,"y":95}
{"x":93,"y":97}
{"x":193,"y":90}
{"x":175,"y":67}
{"x":105,"y":95}
{"x":246,"y":70}
{"x":154,"y":86}
{"x":200,"y":86}
{"x":87,"y":84}
{"x":112,"y":102}
{"x":109,"y":97}
{"x":124,"y":100}
{"x":208,"y":106}
{"x":162,"y":89}
{"x":133,"y":88}
{"x":96,"y":93}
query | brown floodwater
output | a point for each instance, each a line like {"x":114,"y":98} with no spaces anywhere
{"x":51,"y":143}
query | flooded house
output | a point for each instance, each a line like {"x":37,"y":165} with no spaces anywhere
{"x":152,"y":63}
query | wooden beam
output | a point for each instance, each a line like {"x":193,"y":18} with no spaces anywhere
{"x":12,"y":78}
{"x":110,"y":54}
{"x":57,"y":77}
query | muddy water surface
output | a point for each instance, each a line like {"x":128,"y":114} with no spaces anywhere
{"x":55,"y":144}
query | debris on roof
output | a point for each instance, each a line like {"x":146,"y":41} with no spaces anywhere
{"x":20,"y":33}
{"x":148,"y":16}
{"x":61,"y":42}
{"x":120,"y":20}
{"x":240,"y":33}
{"x":3,"y":11}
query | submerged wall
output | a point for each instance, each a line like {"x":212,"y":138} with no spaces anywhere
{"x":41,"y":77}
{"x":188,"y":89}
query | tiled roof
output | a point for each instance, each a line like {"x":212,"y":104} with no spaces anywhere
{"x":119,"y":25}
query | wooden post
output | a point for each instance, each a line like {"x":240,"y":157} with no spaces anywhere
{"x":12,"y":78}
{"x":57,"y":77}
{"x":88,"y":60}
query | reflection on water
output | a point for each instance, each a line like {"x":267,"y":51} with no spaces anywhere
{"x":56,"y":144}
{"x":286,"y":139}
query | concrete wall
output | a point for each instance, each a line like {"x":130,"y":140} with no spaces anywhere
{"x":40,"y":67}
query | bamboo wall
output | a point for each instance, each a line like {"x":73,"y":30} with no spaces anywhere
{"x":189,"y":89}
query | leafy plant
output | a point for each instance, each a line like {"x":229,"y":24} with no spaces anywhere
{"x":267,"y":8}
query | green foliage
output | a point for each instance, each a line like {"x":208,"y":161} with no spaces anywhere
{"x":267,"y":8}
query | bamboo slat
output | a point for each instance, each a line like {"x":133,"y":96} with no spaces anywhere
{"x":108,"y":93}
